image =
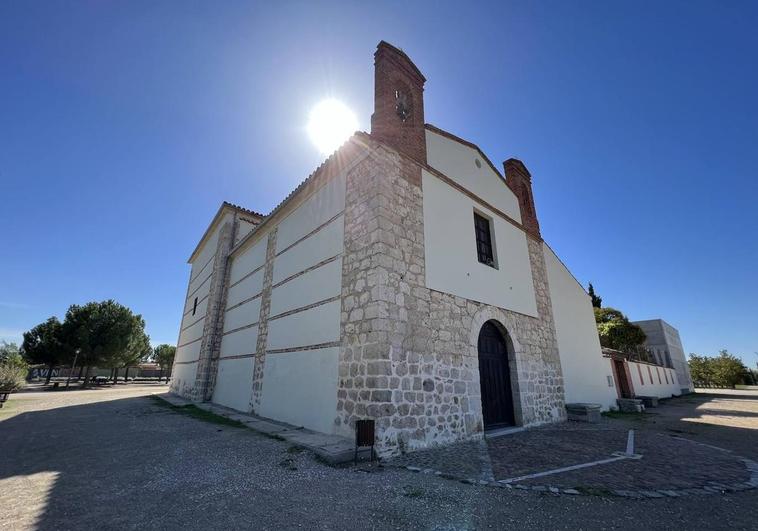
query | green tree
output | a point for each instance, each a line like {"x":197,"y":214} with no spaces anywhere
{"x":701,"y":369}
{"x":139,"y":349}
{"x":728,"y":370}
{"x":46,"y":344}
{"x":597,"y":302}
{"x":616,"y":331}
{"x":164,"y":357}
{"x":103,"y":332}
{"x":9,"y":351}
{"x":13,"y":367}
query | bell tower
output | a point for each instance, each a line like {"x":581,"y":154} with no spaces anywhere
{"x":519,"y":180}
{"x":398,"y":118}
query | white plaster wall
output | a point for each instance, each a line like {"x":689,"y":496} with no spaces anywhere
{"x":644,"y":387}
{"x":189,"y":352}
{"x":243,"y":229}
{"x":301,"y":388}
{"x":310,"y":327}
{"x":585,"y":371}
{"x":450,"y":251}
{"x":183,"y":374}
{"x":248,"y":259}
{"x":457,"y":161}
{"x":249,"y":287}
{"x":201,"y":294}
{"x":315,"y":211}
{"x":191,"y":333}
{"x":327,"y":242}
{"x":317,"y":285}
{"x":240,"y":342}
{"x":234,"y":383}
{"x":242,"y":315}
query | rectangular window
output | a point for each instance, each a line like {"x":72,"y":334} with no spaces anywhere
{"x":194,"y":307}
{"x":483,"y":231}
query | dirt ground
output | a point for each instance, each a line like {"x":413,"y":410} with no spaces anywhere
{"x":116,"y":458}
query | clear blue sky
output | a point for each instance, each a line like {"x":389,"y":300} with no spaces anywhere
{"x":123,"y":125}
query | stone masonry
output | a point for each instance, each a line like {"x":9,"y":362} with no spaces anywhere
{"x":409,"y":354}
{"x":260,"y":348}
{"x":210,"y":346}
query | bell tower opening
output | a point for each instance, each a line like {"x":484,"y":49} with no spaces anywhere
{"x":398,"y":118}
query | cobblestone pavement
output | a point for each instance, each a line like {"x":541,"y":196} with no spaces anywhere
{"x":676,"y":442}
{"x":116,"y":459}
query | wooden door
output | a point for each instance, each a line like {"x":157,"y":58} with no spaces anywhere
{"x":495,"y":378}
{"x":624,"y":387}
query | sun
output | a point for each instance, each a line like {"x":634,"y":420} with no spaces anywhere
{"x":330,"y":123}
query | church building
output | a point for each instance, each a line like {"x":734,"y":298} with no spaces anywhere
{"x":405,"y":280}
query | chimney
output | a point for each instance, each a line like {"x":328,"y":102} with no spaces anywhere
{"x":398,"y":118}
{"x":519,"y":180}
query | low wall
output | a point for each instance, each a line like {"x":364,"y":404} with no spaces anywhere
{"x":654,"y":380}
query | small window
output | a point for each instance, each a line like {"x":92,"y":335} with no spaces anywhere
{"x":194,"y":307}
{"x":483,"y":232}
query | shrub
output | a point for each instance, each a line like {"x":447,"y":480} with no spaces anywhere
{"x":12,"y":376}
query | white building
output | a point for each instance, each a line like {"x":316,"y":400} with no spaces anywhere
{"x":405,"y":280}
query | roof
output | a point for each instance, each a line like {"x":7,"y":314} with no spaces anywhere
{"x":225,"y":207}
{"x":340,"y":158}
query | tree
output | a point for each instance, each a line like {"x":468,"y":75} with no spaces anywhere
{"x":103,"y":332}
{"x":728,"y":370}
{"x":724,"y":370}
{"x":46,"y":344}
{"x":164,"y":357}
{"x":616,"y":331}
{"x":139,"y":349}
{"x":701,"y":369}
{"x":9,"y":351}
{"x":597,"y":302}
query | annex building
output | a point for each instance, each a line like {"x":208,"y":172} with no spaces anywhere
{"x":405,"y":280}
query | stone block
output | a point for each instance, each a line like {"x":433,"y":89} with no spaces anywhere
{"x":630,"y":405}
{"x":582,"y":412}
{"x":649,"y":401}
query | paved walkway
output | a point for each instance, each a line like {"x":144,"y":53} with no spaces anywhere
{"x":674,"y":452}
{"x":118,"y":459}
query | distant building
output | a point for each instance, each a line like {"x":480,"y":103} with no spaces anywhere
{"x":664,"y":344}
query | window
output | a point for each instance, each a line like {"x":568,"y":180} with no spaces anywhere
{"x":194,"y":307}
{"x":483,"y":232}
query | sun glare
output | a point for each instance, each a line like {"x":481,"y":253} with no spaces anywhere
{"x":330,"y":123}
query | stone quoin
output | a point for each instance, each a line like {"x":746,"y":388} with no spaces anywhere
{"x":405,"y":280}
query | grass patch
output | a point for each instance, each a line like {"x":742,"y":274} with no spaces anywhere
{"x":594,"y":491}
{"x":200,"y":414}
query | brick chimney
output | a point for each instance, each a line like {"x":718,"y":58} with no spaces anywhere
{"x":518,"y":179}
{"x":398,"y":118}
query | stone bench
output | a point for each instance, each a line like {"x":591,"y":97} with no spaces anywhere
{"x":630,"y":405}
{"x":649,"y":401}
{"x":581,"y":412}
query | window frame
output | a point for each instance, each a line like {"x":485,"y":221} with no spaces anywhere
{"x":485,"y":239}
{"x":194,"y":306}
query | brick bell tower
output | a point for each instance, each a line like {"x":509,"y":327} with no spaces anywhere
{"x":398,"y":118}
{"x":519,"y":180}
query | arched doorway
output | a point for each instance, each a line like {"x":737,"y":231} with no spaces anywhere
{"x":495,"y":378}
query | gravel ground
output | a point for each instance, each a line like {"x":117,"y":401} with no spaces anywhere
{"x":118,"y":459}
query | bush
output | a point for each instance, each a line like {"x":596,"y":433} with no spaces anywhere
{"x":12,"y":376}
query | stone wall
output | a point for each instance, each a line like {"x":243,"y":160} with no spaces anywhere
{"x":210,"y":347}
{"x":409,"y":354}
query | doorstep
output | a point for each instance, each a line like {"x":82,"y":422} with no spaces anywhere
{"x":334,"y":449}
